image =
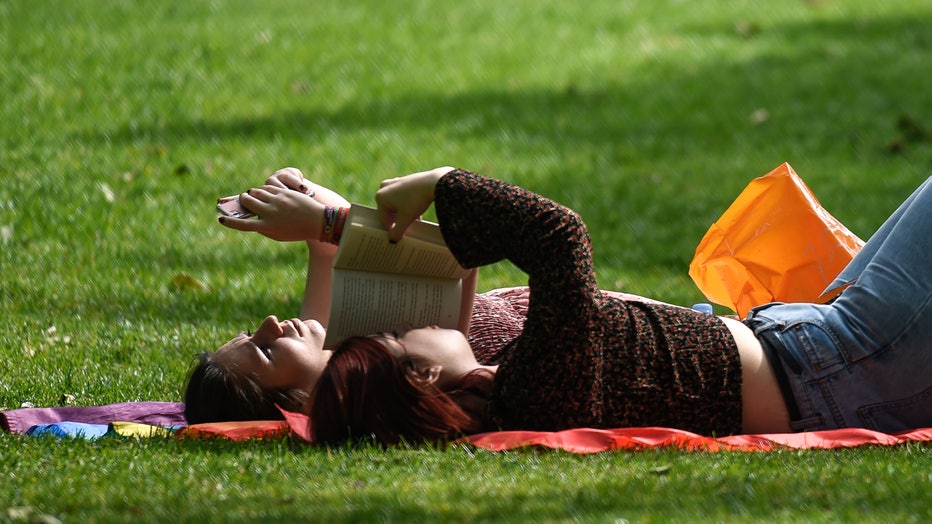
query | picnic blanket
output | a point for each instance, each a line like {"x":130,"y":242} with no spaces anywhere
{"x":148,"y":419}
{"x":164,"y":414}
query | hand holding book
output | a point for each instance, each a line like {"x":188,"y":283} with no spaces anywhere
{"x":403,"y":200}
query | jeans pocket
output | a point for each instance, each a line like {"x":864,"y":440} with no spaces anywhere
{"x":899,"y":415}
{"x":822,"y":349}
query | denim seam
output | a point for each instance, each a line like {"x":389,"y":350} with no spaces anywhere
{"x":829,"y":401}
{"x":866,"y":413}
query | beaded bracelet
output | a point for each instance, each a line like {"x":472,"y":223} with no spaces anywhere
{"x":334,"y":222}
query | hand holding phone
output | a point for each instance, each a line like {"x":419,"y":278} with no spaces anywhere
{"x":286,"y":208}
{"x":291,"y":178}
{"x":230,"y":206}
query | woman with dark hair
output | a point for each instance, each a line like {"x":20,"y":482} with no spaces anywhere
{"x":242,"y":380}
{"x":586,"y":359}
{"x":279,"y":363}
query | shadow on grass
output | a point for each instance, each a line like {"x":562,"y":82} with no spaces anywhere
{"x":646,"y":138}
{"x":834,"y":76}
{"x":805,"y":91}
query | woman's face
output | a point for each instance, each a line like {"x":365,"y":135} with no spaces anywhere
{"x":432,"y":346}
{"x":288,"y":354}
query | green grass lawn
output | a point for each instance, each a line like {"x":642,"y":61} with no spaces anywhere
{"x":122,"y":122}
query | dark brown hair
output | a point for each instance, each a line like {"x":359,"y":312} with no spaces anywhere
{"x":217,"y":394}
{"x":366,"y":392}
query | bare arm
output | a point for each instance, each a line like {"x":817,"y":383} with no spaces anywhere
{"x":402,"y":200}
{"x":316,"y":302}
{"x":291,"y":208}
{"x":467,"y":300}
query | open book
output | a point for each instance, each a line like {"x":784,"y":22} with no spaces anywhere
{"x":378,"y":286}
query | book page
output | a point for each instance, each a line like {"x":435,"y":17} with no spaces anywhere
{"x":365,"y":247}
{"x":419,"y":229}
{"x":364,"y":303}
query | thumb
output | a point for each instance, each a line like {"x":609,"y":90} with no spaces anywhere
{"x":387,"y":217}
{"x":399,"y":227}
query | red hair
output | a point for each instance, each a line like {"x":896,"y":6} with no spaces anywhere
{"x":367,"y":392}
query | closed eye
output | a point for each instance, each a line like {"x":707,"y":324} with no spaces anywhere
{"x":266,"y":351}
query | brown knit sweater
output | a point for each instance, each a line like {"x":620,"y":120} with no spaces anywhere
{"x":585,"y":359}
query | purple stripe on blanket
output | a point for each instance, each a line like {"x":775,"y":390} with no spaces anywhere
{"x":153,"y":413}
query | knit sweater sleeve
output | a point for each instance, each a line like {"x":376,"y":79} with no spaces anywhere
{"x":486,"y":220}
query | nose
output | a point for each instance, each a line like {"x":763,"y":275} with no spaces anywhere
{"x":269,"y":330}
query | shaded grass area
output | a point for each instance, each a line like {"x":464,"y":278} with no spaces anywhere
{"x":122,"y":122}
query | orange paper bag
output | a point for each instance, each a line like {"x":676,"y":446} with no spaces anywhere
{"x":775,"y":243}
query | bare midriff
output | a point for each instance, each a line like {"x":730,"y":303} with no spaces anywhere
{"x":763,"y":406}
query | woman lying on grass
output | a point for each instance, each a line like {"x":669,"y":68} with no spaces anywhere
{"x":281,"y":361}
{"x":585,"y":359}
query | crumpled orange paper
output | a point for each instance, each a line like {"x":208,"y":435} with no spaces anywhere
{"x":775,"y":243}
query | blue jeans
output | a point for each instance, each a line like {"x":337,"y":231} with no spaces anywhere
{"x":865,"y":359}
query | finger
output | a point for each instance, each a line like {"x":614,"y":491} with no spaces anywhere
{"x":398,"y":229}
{"x":294,"y":179}
{"x":240,"y":224}
{"x":292,"y":171}
{"x":286,"y":180}
{"x":387,"y":182}
{"x":261,"y":194}
{"x":387,"y":216}
{"x":256,"y":200}
{"x":276,"y":181}
{"x":273,"y":190}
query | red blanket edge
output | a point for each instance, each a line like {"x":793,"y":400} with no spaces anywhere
{"x":585,"y":440}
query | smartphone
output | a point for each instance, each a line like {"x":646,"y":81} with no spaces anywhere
{"x":231,"y":207}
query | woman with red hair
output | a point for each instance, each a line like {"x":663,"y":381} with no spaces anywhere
{"x":587,"y":359}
